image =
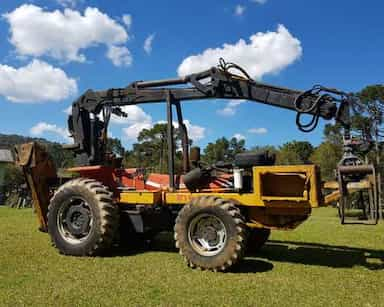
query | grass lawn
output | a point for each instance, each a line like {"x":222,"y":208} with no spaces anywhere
{"x":320,"y":264}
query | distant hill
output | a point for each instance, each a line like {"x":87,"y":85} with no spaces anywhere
{"x":61,"y":157}
{"x":7,"y":141}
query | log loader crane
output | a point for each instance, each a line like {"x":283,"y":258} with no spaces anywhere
{"x":215,"y":211}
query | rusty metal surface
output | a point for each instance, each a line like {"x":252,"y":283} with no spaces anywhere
{"x":351,"y":169}
{"x":362,"y":184}
{"x":23,"y":153}
{"x":40,"y":172}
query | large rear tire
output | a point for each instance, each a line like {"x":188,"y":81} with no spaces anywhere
{"x":82,"y":218}
{"x":210,"y":233}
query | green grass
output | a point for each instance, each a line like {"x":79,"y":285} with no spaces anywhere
{"x":320,"y":264}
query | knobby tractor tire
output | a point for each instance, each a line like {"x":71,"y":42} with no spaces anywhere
{"x":90,"y":202}
{"x":257,"y":237}
{"x":223,"y":212}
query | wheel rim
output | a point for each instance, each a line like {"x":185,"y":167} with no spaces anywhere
{"x":207,"y":234}
{"x":74,"y":220}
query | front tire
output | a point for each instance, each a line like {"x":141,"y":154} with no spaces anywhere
{"x":210,"y":233}
{"x":82,"y":218}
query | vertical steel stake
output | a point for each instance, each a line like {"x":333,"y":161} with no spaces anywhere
{"x":184,"y":137}
{"x":171,"y":160}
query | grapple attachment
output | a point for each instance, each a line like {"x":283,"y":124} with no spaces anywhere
{"x":359,"y":201}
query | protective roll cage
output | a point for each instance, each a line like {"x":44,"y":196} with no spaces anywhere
{"x":90,"y":132}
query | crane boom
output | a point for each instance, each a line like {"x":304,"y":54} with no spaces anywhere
{"x":89,"y":131}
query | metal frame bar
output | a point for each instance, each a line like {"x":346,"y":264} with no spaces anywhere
{"x":171,"y":158}
{"x":184,"y":137}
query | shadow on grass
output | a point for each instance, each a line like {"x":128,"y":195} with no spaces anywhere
{"x":164,"y":243}
{"x":281,"y":251}
{"x":247,"y":265}
{"x":250,"y":265}
{"x":132,"y":245}
{"x":321,"y":254}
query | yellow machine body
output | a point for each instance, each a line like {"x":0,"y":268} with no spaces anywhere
{"x":282,"y":196}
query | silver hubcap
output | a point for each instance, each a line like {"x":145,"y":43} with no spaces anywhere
{"x":74,"y":220}
{"x":207,"y":234}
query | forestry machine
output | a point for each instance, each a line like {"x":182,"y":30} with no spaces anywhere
{"x":216,"y":211}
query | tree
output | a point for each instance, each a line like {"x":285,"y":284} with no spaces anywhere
{"x":235,"y":146}
{"x":327,"y":155}
{"x":223,"y":150}
{"x":114,"y":146}
{"x":13,"y":177}
{"x":61,"y":158}
{"x":151,"y":149}
{"x":373,"y":97}
{"x":333,"y":134}
{"x":261,"y":149}
{"x":217,"y":151}
{"x":295,"y":152}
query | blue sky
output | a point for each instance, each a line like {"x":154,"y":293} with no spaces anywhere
{"x":53,"y":50}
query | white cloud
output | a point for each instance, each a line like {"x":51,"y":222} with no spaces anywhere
{"x":195,"y":132}
{"x":259,"y":1}
{"x":239,"y":136}
{"x":62,"y":35}
{"x":135,"y":114}
{"x":120,"y":56}
{"x":131,"y":133}
{"x":42,"y":128}
{"x":266,"y":53}
{"x":36,"y":82}
{"x":230,"y":108}
{"x":68,"y":110}
{"x":69,"y":3}
{"x":239,"y":10}
{"x":127,"y":19}
{"x":148,"y":43}
{"x":137,"y":119}
{"x":227,"y":111}
{"x":258,"y":130}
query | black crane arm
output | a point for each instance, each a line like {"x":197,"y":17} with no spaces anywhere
{"x":89,"y":131}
